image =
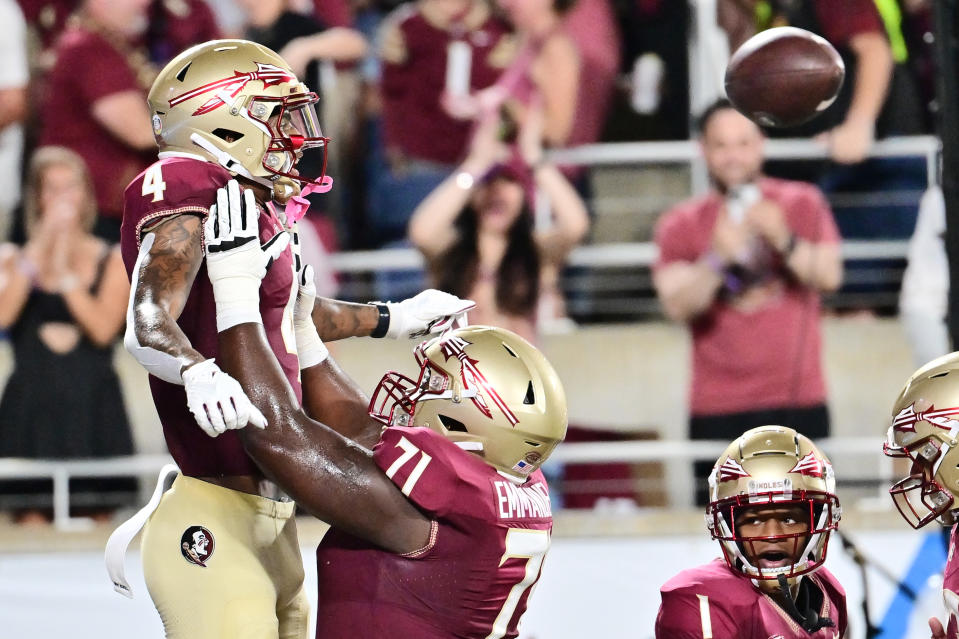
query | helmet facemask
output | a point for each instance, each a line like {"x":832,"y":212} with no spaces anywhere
{"x":919,"y":497}
{"x":485,"y":389}
{"x":800,"y":548}
{"x":925,"y":430}
{"x":292,"y":125}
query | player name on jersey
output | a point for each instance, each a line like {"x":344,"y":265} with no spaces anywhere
{"x":521,"y":501}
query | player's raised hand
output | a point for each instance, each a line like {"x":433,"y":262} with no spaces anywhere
{"x":428,"y":312}
{"x":217,"y":401}
{"x":235,"y":260}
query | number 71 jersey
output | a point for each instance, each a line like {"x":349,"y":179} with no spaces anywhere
{"x":490,"y":537}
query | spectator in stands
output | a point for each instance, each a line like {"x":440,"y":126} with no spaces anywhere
{"x":63,"y":299}
{"x":306,"y":44}
{"x":857,"y":31}
{"x":477,"y":233}
{"x":431,"y":51}
{"x":744,"y":267}
{"x":176,"y":25}
{"x":301,"y":40}
{"x":652,"y":101}
{"x":13,"y":109}
{"x":547,"y":65}
{"x":95,"y":100}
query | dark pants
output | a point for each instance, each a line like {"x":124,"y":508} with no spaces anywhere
{"x":813,"y":422}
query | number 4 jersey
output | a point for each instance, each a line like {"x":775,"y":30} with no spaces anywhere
{"x":490,"y":536}
{"x":181,"y":186}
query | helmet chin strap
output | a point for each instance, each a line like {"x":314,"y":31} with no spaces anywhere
{"x":227,"y":161}
{"x":810,"y":621}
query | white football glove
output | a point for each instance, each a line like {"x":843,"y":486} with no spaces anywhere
{"x":428,"y":312}
{"x":310,"y":349}
{"x":235,"y":261}
{"x":217,"y":401}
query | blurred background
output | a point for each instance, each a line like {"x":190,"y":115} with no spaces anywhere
{"x":405,"y":86}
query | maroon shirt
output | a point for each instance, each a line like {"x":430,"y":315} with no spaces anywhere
{"x":840,"y":21}
{"x":189,"y":188}
{"x":490,"y":539}
{"x":88,"y":69}
{"x":413,"y":120}
{"x":729,"y":374}
{"x":717,"y":598}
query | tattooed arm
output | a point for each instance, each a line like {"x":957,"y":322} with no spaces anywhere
{"x":164,"y":276}
{"x":338,"y":320}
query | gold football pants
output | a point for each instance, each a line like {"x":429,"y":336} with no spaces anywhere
{"x":223,"y":564}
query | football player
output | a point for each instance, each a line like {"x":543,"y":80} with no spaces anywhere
{"x":441,"y":529}
{"x":925,"y":431}
{"x":772,"y":507}
{"x":220,"y":110}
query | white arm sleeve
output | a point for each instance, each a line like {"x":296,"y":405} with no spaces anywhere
{"x":157,"y":363}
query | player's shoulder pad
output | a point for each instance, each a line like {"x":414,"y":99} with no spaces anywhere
{"x":172,"y":186}
{"x":424,"y":465}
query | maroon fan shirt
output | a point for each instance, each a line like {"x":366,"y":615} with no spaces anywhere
{"x":490,"y":538}
{"x":186,"y":186}
{"x":716,"y":601}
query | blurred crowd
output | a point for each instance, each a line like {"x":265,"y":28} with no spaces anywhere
{"x":441,"y":114}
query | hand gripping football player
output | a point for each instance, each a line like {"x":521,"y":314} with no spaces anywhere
{"x":772,"y":507}
{"x":441,"y":529}
{"x":925,"y":430}
{"x":222,"y":110}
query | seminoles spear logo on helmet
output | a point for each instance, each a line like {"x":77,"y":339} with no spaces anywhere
{"x":453,"y":346}
{"x":268,"y":74}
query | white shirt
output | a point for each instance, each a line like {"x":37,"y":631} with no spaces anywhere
{"x":14,"y":73}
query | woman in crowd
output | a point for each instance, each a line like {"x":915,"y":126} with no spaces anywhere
{"x":478,"y":234}
{"x":62,"y":299}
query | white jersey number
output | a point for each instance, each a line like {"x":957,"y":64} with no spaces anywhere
{"x":521,"y":543}
{"x":409,"y":451}
{"x":153,"y":183}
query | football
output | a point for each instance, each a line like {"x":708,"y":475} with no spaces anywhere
{"x":783,"y":77}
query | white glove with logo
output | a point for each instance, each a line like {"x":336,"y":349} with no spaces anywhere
{"x":217,"y":401}
{"x":428,"y":312}
{"x":235,"y":261}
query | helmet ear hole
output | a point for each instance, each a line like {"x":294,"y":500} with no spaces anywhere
{"x":227,"y":135}
{"x":452,"y":425}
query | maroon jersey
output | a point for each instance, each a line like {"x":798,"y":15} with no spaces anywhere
{"x":413,"y":120}
{"x":714,"y":600}
{"x":490,"y":538}
{"x":950,"y":588}
{"x":186,"y":186}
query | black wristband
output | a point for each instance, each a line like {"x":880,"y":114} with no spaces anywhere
{"x":383,"y":323}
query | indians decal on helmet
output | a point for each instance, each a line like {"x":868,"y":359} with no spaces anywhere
{"x":455,"y":347}
{"x":731,"y":470}
{"x":908,"y":417}
{"x":268,"y":74}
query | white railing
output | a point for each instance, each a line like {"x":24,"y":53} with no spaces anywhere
{"x":61,"y":472}
{"x":676,"y":152}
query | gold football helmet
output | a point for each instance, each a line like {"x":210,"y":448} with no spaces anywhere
{"x":239,"y":104}
{"x":773,"y":466}
{"x":486,"y":389}
{"x":925,"y":428}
